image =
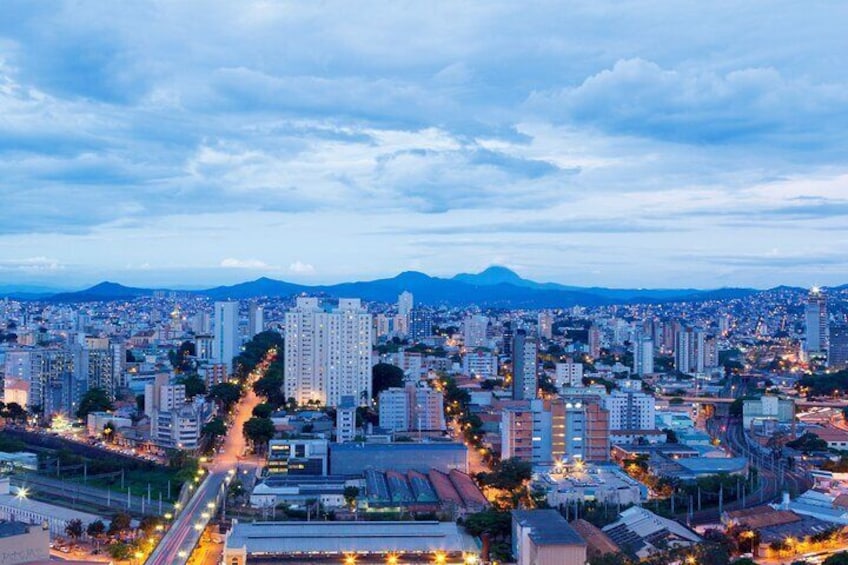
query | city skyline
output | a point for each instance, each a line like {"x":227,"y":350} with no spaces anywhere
{"x":626,"y":145}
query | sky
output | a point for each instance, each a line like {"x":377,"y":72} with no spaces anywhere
{"x":618,"y":143}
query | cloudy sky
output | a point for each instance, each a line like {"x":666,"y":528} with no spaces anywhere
{"x":620,"y":143}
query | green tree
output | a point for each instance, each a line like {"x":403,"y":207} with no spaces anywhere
{"x":384,"y":376}
{"x":807,"y":443}
{"x":194,"y":385}
{"x":259,"y":431}
{"x":119,"y":551}
{"x":840,"y":558}
{"x":610,"y":559}
{"x":270,"y":386}
{"x":120,"y":523}
{"x":225,"y":394}
{"x":148,"y":524}
{"x":263,"y":410}
{"x":350,"y":494}
{"x":74,"y":529}
{"x":14,"y":412}
{"x":96,"y":529}
{"x":509,"y":474}
{"x":94,"y":400}
{"x":214,"y":428}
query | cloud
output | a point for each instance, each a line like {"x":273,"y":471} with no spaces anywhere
{"x":301,"y":268}
{"x":231,"y":263}
{"x":32,"y":265}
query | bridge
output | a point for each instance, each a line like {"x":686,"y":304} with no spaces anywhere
{"x":800,"y":403}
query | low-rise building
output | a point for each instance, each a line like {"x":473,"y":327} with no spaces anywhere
{"x":23,"y":543}
{"x":640,"y":532}
{"x":299,"y":456}
{"x":543,"y":537}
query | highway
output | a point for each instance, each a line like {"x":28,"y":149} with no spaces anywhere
{"x":183,"y":535}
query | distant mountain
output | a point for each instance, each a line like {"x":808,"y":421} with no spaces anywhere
{"x":103,"y":292}
{"x":496,"y":287}
{"x":27,"y":292}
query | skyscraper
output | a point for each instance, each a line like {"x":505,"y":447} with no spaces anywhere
{"x":524,"y":379}
{"x":420,"y":324}
{"x":328,"y":353}
{"x":643,"y":355}
{"x":226,"y":338}
{"x":838,"y":353}
{"x":255,"y":319}
{"x":546,"y":324}
{"x":816,"y":323}
{"x":474,"y":331}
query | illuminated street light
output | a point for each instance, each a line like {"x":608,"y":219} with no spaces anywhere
{"x":23,"y":493}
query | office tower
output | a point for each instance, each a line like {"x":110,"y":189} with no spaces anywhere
{"x":225,"y":346}
{"x":546,"y":324}
{"x":255,"y":319}
{"x":524,"y":379}
{"x":569,"y":374}
{"x":594,"y":341}
{"x":508,"y":334}
{"x":420,"y":324}
{"x":630,"y":410}
{"x":346,"y":419}
{"x":412,"y":409}
{"x":816,"y":323}
{"x":643,"y":355}
{"x":474,"y":331}
{"x":328,"y":353}
{"x":837,"y":357}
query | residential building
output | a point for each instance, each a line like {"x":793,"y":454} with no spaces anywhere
{"x":255,"y":319}
{"x":328,"y":353}
{"x":837,"y":357}
{"x":21,"y":542}
{"x":412,"y":409}
{"x":225,"y":344}
{"x":480,"y":364}
{"x":643,"y":355}
{"x":524,"y":378}
{"x":179,"y":427}
{"x":420,"y":324}
{"x":346,"y":419}
{"x":545,"y":324}
{"x":475,"y":329}
{"x":630,"y":410}
{"x":569,"y":374}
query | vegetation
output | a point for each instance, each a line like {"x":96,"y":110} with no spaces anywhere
{"x":94,"y":400}
{"x":225,"y":394}
{"x":807,"y":443}
{"x":194,"y":385}
{"x":384,"y":376}
{"x":494,"y":528}
{"x":824,"y":384}
{"x":255,"y":351}
{"x":837,"y":559}
{"x":74,"y":529}
{"x":214,"y":429}
{"x":120,"y":524}
{"x":259,"y":431}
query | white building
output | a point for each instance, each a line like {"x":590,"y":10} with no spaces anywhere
{"x":546,"y":324}
{"x":643,"y":355}
{"x":255,"y":320}
{"x":412,"y":409}
{"x":569,"y":374}
{"x":480,"y":364}
{"x":524,"y":377}
{"x":328,"y":353}
{"x":225,"y":345}
{"x":346,"y":419}
{"x":816,"y":323}
{"x":474,"y":331}
{"x":179,"y":428}
{"x":630,"y":410}
{"x":162,"y":396}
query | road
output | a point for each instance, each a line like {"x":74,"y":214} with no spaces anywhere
{"x":181,"y":538}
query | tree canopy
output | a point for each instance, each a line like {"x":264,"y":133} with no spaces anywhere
{"x":226,"y":394}
{"x":385,"y":376}
{"x":259,"y":431}
{"x":94,"y":400}
{"x":194,"y":385}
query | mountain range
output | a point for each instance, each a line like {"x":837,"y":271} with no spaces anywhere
{"x":493,"y":287}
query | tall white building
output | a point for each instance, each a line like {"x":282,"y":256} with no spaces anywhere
{"x":225,"y":344}
{"x":690,"y":350}
{"x":630,"y":410}
{"x":546,"y":324}
{"x":816,"y":323}
{"x":412,"y":409}
{"x":474,"y":331}
{"x":524,"y":377}
{"x":328,"y":353}
{"x":405,"y":303}
{"x":643,"y":355}
{"x":255,"y":319}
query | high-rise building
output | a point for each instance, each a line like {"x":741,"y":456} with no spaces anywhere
{"x":508,"y":334}
{"x":405,"y":303}
{"x":816,"y":323}
{"x":690,"y":350}
{"x":225,"y":345}
{"x":549,"y":432}
{"x":474,"y":331}
{"x":255,"y":319}
{"x":546,"y":324}
{"x":480,"y":364}
{"x":161,"y":396}
{"x":346,"y":419}
{"x":643,"y":355}
{"x":412,"y":409}
{"x":524,"y":377}
{"x":420,"y":324}
{"x":838,"y":352}
{"x":328,"y":353}
{"x":630,"y":410}
{"x":569,"y":374}
{"x":594,"y":341}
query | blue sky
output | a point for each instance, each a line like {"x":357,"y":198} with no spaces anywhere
{"x":625,"y":143}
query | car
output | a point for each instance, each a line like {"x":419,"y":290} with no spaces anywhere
{"x":65,"y":549}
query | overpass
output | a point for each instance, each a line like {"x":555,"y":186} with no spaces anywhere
{"x":721,"y":400}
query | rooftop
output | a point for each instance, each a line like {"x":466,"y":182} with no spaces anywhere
{"x":8,"y":529}
{"x":547,"y":527}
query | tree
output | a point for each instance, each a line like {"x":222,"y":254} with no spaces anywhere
{"x":350,"y":494}
{"x":263,"y":410}
{"x":120,"y":523}
{"x":139,"y":403}
{"x":194,"y":385}
{"x":15,"y":412}
{"x":610,"y":559}
{"x":119,"y":551}
{"x":670,"y":435}
{"x":259,"y":432}
{"x":109,"y":431}
{"x":490,"y":526}
{"x":96,"y":529}
{"x":148,"y":524}
{"x":509,"y":474}
{"x":808,"y":442}
{"x":74,"y":529}
{"x":226,"y":394}
{"x":270,"y":386}
{"x":214,"y":428}
{"x":384,"y":376}
{"x":840,"y":558}
{"x":94,"y":400}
